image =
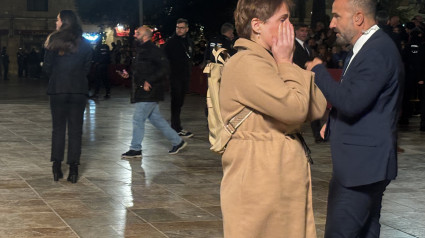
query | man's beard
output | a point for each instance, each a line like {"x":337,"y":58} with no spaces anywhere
{"x":138,"y":42}
{"x":344,"y":38}
{"x":341,"y":40}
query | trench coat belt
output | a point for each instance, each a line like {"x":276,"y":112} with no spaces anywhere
{"x":307,"y":150}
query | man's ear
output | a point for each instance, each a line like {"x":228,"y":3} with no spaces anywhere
{"x":358,"y":18}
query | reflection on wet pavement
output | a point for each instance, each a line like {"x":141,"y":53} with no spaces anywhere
{"x":160,"y":195}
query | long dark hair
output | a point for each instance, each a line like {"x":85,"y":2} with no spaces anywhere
{"x":68,"y":37}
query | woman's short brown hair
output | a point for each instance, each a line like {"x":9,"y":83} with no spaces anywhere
{"x":246,"y":10}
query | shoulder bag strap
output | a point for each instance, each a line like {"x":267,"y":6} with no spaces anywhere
{"x":237,"y":120}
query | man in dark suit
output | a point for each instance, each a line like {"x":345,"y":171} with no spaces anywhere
{"x":302,"y":54}
{"x":362,"y":124}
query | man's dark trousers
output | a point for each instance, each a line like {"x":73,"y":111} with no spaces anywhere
{"x":178,"y":91}
{"x":361,"y":203}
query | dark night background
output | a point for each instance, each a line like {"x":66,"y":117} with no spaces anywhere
{"x":160,"y":13}
{"x":209,"y":14}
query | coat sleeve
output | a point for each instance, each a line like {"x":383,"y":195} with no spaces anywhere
{"x":48,"y":62}
{"x":283,"y":95}
{"x":88,"y":56}
{"x":318,"y":103}
{"x":357,"y":92}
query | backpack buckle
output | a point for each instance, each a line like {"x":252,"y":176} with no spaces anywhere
{"x":230,"y":128}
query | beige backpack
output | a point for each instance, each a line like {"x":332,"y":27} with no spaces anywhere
{"x":220,"y":134}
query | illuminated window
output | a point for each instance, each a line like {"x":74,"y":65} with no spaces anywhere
{"x":38,"y":5}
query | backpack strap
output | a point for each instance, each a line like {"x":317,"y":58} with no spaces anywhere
{"x":237,"y":120}
{"x":217,"y":56}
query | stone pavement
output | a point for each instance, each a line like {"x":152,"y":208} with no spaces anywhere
{"x":161,"y":195}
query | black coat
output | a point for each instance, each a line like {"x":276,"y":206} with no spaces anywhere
{"x":68,"y":73}
{"x":150,"y":65}
{"x":414,"y":60}
{"x":102,"y":55}
{"x":179,"y":53}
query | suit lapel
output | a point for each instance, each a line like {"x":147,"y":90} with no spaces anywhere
{"x":359,"y":54}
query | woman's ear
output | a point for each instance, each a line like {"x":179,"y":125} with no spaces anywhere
{"x":256,"y":25}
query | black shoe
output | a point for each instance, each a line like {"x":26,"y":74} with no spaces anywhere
{"x":177,"y":148}
{"x":73,"y":173}
{"x":185,"y":134}
{"x":403,"y":122}
{"x":422,"y":128}
{"x":132,"y":154}
{"x":94,"y":97}
{"x":57,"y":170}
{"x":107,"y":96}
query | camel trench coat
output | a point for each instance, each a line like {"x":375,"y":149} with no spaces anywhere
{"x":266,"y":185}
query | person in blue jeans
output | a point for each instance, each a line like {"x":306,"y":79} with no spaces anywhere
{"x":149,"y":69}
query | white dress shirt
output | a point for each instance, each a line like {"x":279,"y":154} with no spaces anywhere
{"x":361,"y":41}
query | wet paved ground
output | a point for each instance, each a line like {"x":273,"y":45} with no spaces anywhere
{"x":161,"y":195}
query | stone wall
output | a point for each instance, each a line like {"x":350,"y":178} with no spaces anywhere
{"x":20,"y":28}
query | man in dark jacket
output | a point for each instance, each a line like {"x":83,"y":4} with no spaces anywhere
{"x":102,"y":59}
{"x":149,"y":69}
{"x":179,"y":50}
{"x":224,"y":40}
{"x":414,"y":61}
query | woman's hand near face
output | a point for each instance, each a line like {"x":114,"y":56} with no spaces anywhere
{"x":283,"y":43}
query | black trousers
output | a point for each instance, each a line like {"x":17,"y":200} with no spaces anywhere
{"x":102,"y":78}
{"x":421,"y":94}
{"x":5,"y":71}
{"x":178,"y":92}
{"x":316,"y":127}
{"x":67,"y":110}
{"x":354,"y":212}
{"x":20,"y":70}
{"x":406,"y":104}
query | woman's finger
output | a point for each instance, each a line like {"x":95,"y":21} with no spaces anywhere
{"x":280,"y":33}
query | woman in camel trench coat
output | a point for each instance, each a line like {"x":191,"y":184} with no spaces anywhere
{"x":266,"y":186}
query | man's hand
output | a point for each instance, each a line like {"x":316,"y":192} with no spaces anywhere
{"x":322,"y":131}
{"x":123,"y":73}
{"x":310,"y":64}
{"x":147,"y":86}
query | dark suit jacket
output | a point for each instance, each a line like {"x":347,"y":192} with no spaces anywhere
{"x":300,"y":55}
{"x":363,"y":120}
{"x":68,"y":73}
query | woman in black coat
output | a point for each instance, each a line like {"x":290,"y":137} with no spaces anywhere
{"x":67,"y":62}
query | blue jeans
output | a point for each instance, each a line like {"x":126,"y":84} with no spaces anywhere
{"x":150,"y":110}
